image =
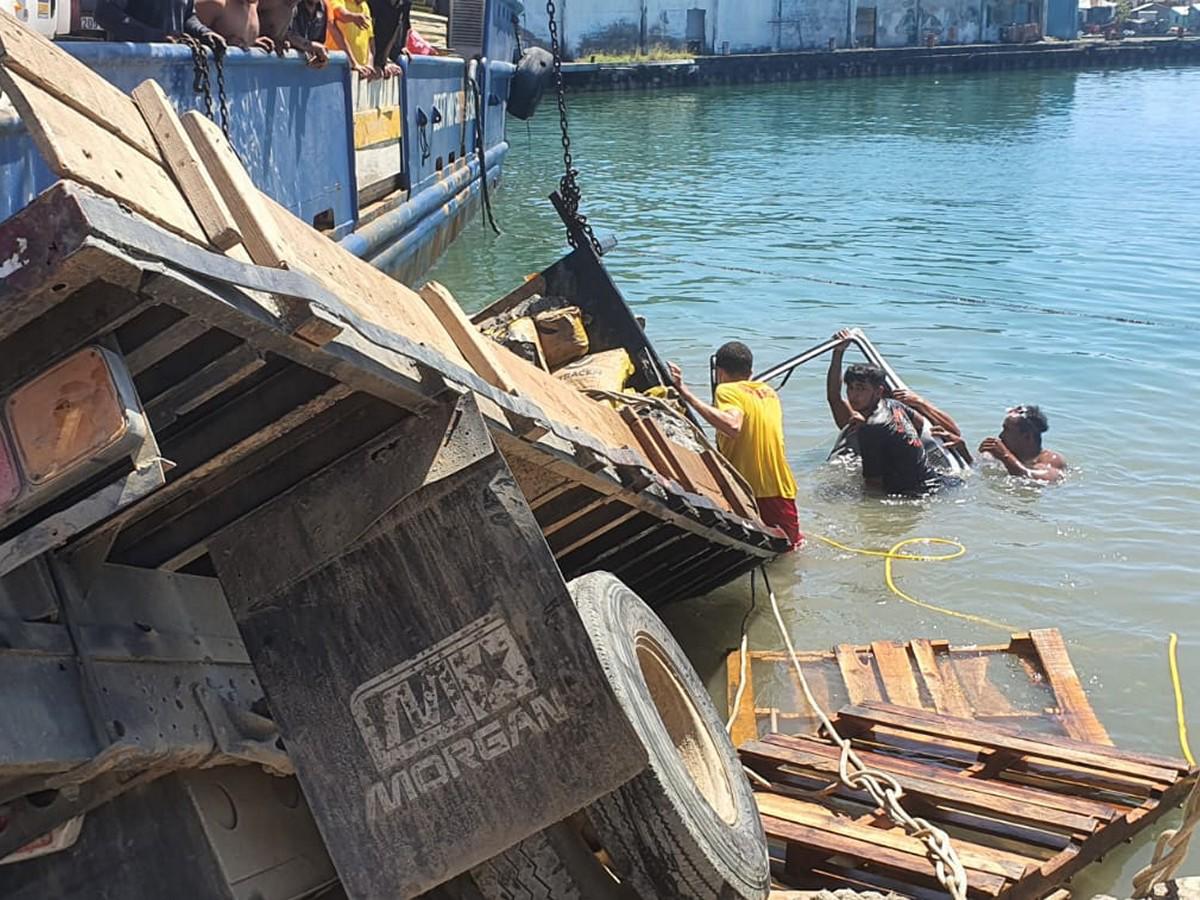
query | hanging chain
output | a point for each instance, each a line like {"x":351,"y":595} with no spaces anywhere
{"x":568,"y":187}
{"x":219,"y":59}
{"x":516,"y":23}
{"x":200,"y":82}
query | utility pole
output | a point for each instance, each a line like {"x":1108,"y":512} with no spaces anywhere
{"x":642,"y":31}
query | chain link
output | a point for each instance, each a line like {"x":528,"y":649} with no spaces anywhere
{"x":200,"y":80}
{"x":219,"y":59}
{"x":568,"y":186}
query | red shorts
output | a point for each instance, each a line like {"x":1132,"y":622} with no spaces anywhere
{"x":781,"y":512}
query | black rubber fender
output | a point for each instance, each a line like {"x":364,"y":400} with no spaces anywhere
{"x":535,"y":68}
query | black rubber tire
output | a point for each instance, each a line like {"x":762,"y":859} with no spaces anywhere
{"x":554,"y":864}
{"x":529,"y":82}
{"x":668,"y":837}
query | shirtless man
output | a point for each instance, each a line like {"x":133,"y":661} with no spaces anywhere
{"x":236,"y":21}
{"x":154,"y":20}
{"x":1019,"y":447}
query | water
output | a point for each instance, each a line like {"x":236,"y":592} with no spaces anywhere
{"x":1020,"y":195}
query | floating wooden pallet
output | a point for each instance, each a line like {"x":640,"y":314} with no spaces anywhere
{"x":1025,"y":811}
{"x":1029,"y":681}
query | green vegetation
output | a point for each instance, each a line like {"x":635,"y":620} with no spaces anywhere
{"x":654,"y":53}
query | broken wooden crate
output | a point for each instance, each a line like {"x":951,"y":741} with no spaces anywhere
{"x":1024,"y":811}
{"x":1029,"y":681}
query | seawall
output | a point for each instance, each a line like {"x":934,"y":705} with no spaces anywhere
{"x":867,"y":63}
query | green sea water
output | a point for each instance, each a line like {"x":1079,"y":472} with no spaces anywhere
{"x":1025,"y":238}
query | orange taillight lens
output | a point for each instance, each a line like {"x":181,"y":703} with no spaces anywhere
{"x":66,"y":415}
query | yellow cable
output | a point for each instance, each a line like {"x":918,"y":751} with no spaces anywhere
{"x":1183,"y":737}
{"x":890,"y":556}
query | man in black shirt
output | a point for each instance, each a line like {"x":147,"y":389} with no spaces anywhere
{"x":147,"y":21}
{"x":888,"y":432}
{"x":310,"y":23}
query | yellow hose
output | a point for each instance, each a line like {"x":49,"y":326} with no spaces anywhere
{"x":1179,"y":717}
{"x":890,"y":556}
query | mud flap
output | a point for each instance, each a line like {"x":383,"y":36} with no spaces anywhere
{"x":433,"y":683}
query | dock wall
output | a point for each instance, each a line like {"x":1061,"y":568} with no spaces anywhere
{"x":807,"y":65}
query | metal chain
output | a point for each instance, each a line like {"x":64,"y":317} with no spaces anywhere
{"x":568,"y":187}
{"x":219,"y":59}
{"x":200,"y":81}
{"x":516,"y":23}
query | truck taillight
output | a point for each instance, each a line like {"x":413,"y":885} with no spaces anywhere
{"x":68,"y":414}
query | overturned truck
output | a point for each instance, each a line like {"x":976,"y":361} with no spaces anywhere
{"x":282,"y":553}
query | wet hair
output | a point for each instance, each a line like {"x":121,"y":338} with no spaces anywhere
{"x":1031,"y":420}
{"x":735,"y":358}
{"x":860,"y":372}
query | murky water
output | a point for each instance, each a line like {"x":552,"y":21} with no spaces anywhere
{"x":1027,"y":238}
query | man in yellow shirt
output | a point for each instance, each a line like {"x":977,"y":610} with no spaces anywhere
{"x":748,"y":419}
{"x":351,"y":30}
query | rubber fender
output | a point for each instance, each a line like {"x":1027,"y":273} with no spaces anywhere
{"x":535,"y":68}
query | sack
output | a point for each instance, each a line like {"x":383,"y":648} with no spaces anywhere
{"x":564,"y":339}
{"x":417,"y":45}
{"x":607,"y":371}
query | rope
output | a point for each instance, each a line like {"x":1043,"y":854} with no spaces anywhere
{"x":1170,"y":850}
{"x":1179,"y":717}
{"x":882,"y":788}
{"x":890,"y":556}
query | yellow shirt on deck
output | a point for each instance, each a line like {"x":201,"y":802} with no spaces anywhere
{"x":358,"y":40}
{"x":757,"y":451}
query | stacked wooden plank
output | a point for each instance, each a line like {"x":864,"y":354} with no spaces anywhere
{"x":1025,"y":811}
{"x":1030,"y":679}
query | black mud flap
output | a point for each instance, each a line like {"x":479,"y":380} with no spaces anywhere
{"x":418,"y":647}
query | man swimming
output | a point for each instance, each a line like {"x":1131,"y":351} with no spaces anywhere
{"x":1019,"y":447}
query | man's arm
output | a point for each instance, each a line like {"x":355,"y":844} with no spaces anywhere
{"x":1048,"y":467}
{"x":113,"y":17}
{"x":842,"y":412}
{"x":727,"y":421}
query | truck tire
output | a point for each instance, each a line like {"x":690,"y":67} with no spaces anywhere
{"x":687,"y":827}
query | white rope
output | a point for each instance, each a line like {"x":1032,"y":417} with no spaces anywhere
{"x":880,"y":786}
{"x":1170,"y":850}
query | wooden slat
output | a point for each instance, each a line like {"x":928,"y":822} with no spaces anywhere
{"x":184,"y":164}
{"x":732,"y":493}
{"x":57,"y":72}
{"x":944,"y":689}
{"x":594,"y":533}
{"x":745,"y":726}
{"x":816,"y":816}
{"x":913,"y":865}
{"x":483,"y":354}
{"x":202,"y":385}
{"x":896,"y":673}
{"x":1078,"y":717}
{"x":75,"y":147}
{"x":859,"y":676}
{"x":926,"y":783}
{"x":646,"y":443}
{"x":985,"y":698}
{"x":994,"y":737}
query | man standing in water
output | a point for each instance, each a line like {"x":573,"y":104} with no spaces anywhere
{"x":748,"y":419}
{"x":889,"y":432}
{"x":1019,"y":447}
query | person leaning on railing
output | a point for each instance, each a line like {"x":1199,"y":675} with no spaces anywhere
{"x":147,"y":21}
{"x":352,"y":30}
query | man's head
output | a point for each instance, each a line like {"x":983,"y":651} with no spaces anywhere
{"x":866,"y":385}
{"x":733,"y":362}
{"x":1023,"y":429}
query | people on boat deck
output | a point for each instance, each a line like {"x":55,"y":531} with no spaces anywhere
{"x":352,"y":30}
{"x":1019,"y":446}
{"x":888,"y":430}
{"x":392,"y":20}
{"x":308,"y":30}
{"x":153,"y":20}
{"x":748,"y":419}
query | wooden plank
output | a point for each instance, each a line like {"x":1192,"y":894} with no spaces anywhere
{"x":260,"y":233}
{"x":983,"y":696}
{"x":859,"y":676}
{"x":646,"y":443}
{"x":184,"y":164}
{"x":594,"y":533}
{"x":1078,"y":717}
{"x":972,"y":856}
{"x":172,"y":338}
{"x":59,"y":73}
{"x":582,"y":510}
{"x":669,"y":452}
{"x":896,"y":673}
{"x":745,"y":726}
{"x":1005,"y":739}
{"x":75,"y":147}
{"x":943,"y":688}
{"x":203,"y":384}
{"x":479,"y":351}
{"x":923,"y":783}
{"x":732,"y":493}
{"x":909,"y":864}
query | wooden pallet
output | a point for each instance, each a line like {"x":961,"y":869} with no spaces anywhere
{"x":1025,"y":811}
{"x":1029,"y":681}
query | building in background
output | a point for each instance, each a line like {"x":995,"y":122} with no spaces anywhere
{"x":590,"y":27}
